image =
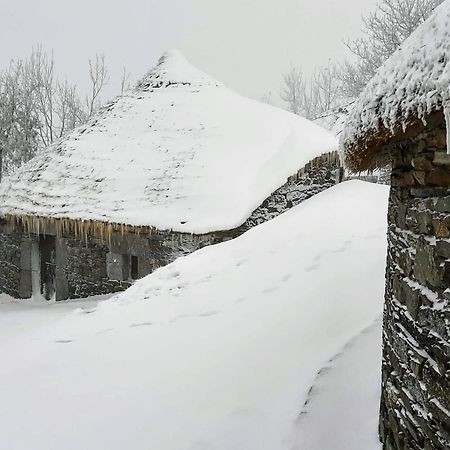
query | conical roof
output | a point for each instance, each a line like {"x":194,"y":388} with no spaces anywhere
{"x":174,"y":69}
{"x":180,"y":152}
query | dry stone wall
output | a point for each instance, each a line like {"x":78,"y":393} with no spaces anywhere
{"x":415,"y":402}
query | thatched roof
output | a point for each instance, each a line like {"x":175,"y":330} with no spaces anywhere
{"x":413,"y":84}
{"x":180,"y":152}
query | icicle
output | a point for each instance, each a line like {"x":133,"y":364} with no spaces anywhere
{"x":447,"y":124}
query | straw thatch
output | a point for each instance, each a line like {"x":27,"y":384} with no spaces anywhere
{"x":404,"y":94}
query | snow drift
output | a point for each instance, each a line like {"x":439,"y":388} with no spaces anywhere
{"x":217,"y":350}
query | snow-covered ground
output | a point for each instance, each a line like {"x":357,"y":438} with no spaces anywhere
{"x":341,"y":410}
{"x":218,"y":350}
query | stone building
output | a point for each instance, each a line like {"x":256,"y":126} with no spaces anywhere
{"x":400,"y":119}
{"x":176,"y":164}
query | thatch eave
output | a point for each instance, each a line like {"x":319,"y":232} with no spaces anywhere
{"x":82,"y":229}
{"x":374,"y":149}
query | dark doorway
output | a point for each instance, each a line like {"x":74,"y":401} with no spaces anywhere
{"x":134,"y":269}
{"x":47,"y":252}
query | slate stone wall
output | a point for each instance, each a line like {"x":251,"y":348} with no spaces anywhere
{"x":415,"y":403}
{"x":85,"y":267}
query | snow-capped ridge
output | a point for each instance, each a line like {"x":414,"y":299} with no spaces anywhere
{"x":173,"y":69}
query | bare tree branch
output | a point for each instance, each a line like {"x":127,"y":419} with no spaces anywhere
{"x":99,"y":76}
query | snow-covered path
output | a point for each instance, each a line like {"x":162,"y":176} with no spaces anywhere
{"x":341,"y":411}
{"x":216,"y":351}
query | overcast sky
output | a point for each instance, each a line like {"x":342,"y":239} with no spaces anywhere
{"x":247,"y":44}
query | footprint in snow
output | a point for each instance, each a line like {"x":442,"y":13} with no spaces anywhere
{"x":287,"y":277}
{"x":240,"y":300}
{"x":344,"y":246}
{"x":181,"y":316}
{"x":107,"y":330}
{"x":209,"y":314}
{"x":140,"y":324}
{"x":269,"y":290}
{"x":63,"y":341}
{"x":311,"y":268}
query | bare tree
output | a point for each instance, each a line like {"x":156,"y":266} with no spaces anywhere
{"x":125,"y":81}
{"x":315,"y":95}
{"x":292,"y":90}
{"x":18,"y":123}
{"x":68,"y":108}
{"x":99,"y":76}
{"x":36,"y":108}
{"x":326,"y":86}
{"x":266,"y":98}
{"x":383,"y":32}
{"x":39,"y":71}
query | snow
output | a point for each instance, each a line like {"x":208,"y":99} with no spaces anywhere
{"x":215,"y":351}
{"x":180,"y":152}
{"x":413,"y":82}
{"x":334,"y":120}
{"x":352,"y":379}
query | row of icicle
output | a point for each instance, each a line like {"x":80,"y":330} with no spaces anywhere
{"x":79,"y":228}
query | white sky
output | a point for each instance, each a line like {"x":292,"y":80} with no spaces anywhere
{"x":247,"y":44}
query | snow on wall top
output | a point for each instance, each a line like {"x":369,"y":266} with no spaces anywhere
{"x":413,"y":82}
{"x":181,"y":152}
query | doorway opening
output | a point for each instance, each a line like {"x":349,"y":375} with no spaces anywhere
{"x":47,"y":272}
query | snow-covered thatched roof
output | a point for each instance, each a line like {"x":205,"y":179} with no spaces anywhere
{"x":180,"y":152}
{"x":412,"y":84}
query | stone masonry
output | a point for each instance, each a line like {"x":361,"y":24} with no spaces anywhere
{"x":415,"y":403}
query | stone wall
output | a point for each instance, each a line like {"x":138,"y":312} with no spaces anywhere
{"x":319,"y":174}
{"x":10,"y":260}
{"x":85,"y":267}
{"x":415,"y":404}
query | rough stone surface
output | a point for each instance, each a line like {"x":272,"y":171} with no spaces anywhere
{"x":10,"y":257}
{"x":85,"y":267}
{"x":415,"y":403}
